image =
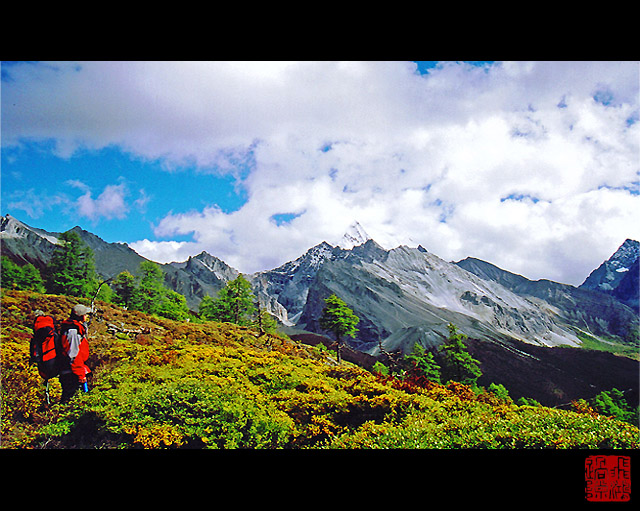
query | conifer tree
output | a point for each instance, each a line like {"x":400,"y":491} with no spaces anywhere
{"x":71,"y":270}
{"x":206,"y":308}
{"x":614,"y":404}
{"x":424,"y":362}
{"x":173,"y":306}
{"x":338,"y":319}
{"x":457,"y":363}
{"x":147,"y":293}
{"x":124,"y":287}
{"x":150,"y":290}
{"x":234,"y":303}
{"x":25,"y":277}
{"x":264,"y":321}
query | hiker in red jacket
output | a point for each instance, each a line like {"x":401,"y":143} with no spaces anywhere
{"x":73,"y":333}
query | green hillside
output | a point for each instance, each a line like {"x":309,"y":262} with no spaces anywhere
{"x":158,"y":383}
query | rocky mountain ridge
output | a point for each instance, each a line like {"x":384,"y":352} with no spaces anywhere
{"x":618,"y":275}
{"x":402,"y":296}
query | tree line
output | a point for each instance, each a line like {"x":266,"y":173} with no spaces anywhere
{"x":71,"y":271}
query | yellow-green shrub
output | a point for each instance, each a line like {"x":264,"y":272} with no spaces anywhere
{"x":217,"y":385}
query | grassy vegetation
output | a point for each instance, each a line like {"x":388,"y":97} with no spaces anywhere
{"x":158,"y":383}
{"x":612,"y":345}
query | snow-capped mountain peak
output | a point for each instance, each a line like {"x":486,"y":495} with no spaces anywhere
{"x":11,"y":227}
{"x":355,"y":235}
{"x":610,"y":273}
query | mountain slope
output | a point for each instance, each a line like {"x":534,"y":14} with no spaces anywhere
{"x":402,"y":296}
{"x":110,"y":258}
{"x":618,"y":275}
{"x":406,"y":294}
{"x":285,"y":288}
{"x":596,"y":313}
{"x":199,"y":275}
{"x":24,"y":244}
{"x":628,"y":289}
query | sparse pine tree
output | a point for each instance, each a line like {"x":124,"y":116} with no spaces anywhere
{"x":499,"y":390}
{"x":148,"y":294}
{"x":25,"y":277}
{"x":105,"y":294}
{"x":457,"y":363}
{"x":264,"y":321}
{"x":10,"y":273}
{"x":206,"y":309}
{"x":380,"y":368}
{"x":423,"y":361}
{"x":173,"y":306}
{"x":31,"y":278}
{"x":527,"y":401}
{"x":613,"y":404}
{"x":149,"y":289}
{"x":340,"y":320}
{"x":234,"y":303}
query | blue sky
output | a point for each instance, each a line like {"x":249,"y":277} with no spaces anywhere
{"x":530,"y":165}
{"x":124,"y":196}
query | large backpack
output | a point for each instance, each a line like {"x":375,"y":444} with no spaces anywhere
{"x":45,"y":347}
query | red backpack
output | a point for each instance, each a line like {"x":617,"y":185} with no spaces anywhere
{"x":45,"y":347}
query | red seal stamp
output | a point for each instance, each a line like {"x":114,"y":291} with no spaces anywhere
{"x":607,"y":478}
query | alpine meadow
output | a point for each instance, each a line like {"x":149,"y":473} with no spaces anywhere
{"x":231,"y":375}
{"x":418,"y":257}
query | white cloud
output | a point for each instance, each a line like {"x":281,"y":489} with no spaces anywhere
{"x":76,"y":183}
{"x":142,"y":201}
{"x":109,"y":204}
{"x":37,"y":203}
{"x":516,"y":163}
{"x":165,"y":251}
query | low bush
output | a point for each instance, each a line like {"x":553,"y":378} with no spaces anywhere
{"x":158,"y":383}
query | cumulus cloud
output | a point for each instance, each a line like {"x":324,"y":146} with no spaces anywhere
{"x":165,"y":251}
{"x":109,"y":204}
{"x":530,"y":165}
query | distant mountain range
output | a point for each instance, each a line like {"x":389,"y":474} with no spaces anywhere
{"x":521,"y":330}
{"x":402,"y":296}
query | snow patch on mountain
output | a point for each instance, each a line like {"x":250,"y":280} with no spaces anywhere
{"x":445,"y":286}
{"x":13,"y":228}
{"x":355,"y":236}
{"x":610,"y":273}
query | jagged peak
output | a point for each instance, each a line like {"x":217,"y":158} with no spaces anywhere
{"x":629,"y":246}
{"x":353,"y":237}
{"x":10,"y":224}
{"x":204,"y":255}
{"x":11,"y":227}
{"x":369,"y":245}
